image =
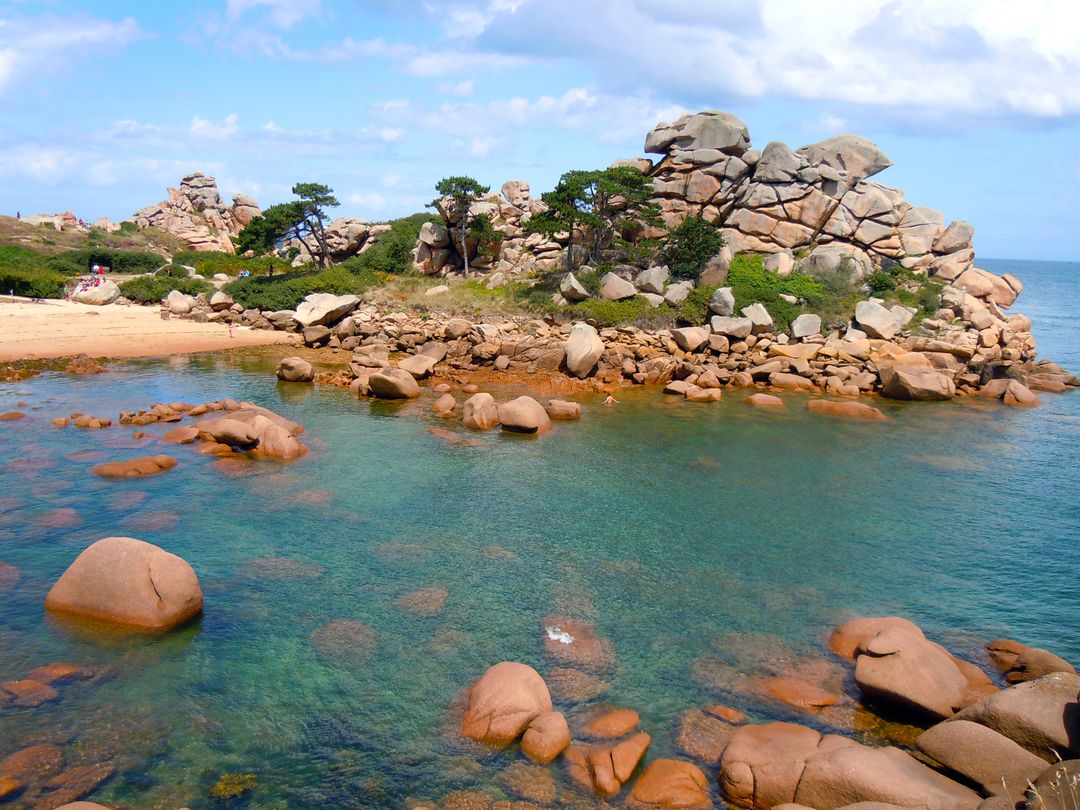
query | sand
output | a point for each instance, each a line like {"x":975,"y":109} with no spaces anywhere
{"x":42,"y":329}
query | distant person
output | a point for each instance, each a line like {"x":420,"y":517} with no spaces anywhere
{"x":18,"y":215}
{"x":270,"y":269}
{"x":610,"y":400}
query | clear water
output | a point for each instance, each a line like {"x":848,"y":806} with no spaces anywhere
{"x":684,"y":532}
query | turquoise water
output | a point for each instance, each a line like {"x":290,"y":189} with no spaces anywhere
{"x":694,"y":537}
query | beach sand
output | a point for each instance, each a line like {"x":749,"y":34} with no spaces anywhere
{"x":36,"y":330}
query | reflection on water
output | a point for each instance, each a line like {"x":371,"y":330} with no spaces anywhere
{"x":350,"y":596}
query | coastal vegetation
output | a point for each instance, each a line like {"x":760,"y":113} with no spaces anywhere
{"x":149,"y":289}
{"x":302,"y":220}
{"x":457,"y":194}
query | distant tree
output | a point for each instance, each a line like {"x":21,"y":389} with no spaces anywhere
{"x":461,"y":192}
{"x":602,"y":203}
{"x":302,"y":219}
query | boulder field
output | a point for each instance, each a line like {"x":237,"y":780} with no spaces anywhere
{"x":980,"y":746}
{"x":387,"y":349}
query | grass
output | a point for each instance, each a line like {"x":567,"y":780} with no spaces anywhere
{"x":287,"y":290}
{"x":209,"y":263}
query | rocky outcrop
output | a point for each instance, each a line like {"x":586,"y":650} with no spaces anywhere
{"x":295,"y":369}
{"x":196,"y":214}
{"x":126,"y":581}
{"x":104,"y":292}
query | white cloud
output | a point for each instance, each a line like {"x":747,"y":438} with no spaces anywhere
{"x":391,"y":134}
{"x":974,"y":58}
{"x":202,"y":128}
{"x":462,"y":88}
{"x":391,"y":180}
{"x":482,"y":147}
{"x":50,"y":44}
{"x":281,"y":13}
{"x":369,"y":200}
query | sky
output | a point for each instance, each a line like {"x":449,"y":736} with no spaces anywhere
{"x":105,"y":104}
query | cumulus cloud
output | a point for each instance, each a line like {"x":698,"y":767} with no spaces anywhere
{"x":51,"y":44}
{"x":967,"y":57}
{"x":281,"y":13}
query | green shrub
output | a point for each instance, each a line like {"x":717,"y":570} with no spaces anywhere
{"x":32,"y":283}
{"x":694,"y":310}
{"x":391,"y":252}
{"x":286,"y":291}
{"x":127,"y":227}
{"x":689,"y":246}
{"x":590,"y":280}
{"x":880,"y":281}
{"x":610,"y":313}
{"x":151,"y":289}
{"x":77,"y":262}
{"x":209,"y":263}
{"x":751,"y":283}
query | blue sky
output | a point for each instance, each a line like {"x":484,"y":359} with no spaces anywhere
{"x":104,"y":104}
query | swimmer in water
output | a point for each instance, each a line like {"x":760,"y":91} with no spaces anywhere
{"x":610,"y":400}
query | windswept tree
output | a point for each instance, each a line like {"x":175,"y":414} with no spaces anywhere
{"x":597,"y":203}
{"x":458,"y":194}
{"x":303,"y":219}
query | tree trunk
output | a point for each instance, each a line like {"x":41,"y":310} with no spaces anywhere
{"x":570,"y":250}
{"x":464,"y":247}
{"x":324,"y":248}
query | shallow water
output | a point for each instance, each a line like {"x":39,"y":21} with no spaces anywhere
{"x":697,"y":538}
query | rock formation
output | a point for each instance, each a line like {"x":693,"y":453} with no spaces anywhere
{"x":196,"y":214}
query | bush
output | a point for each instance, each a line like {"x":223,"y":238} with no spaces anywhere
{"x":151,"y":289}
{"x":391,"y":252}
{"x":288,"y":290}
{"x":689,"y":246}
{"x":751,"y":283}
{"x":32,"y":283}
{"x":880,"y":281}
{"x":77,"y":262}
{"x":127,"y":227}
{"x":209,"y":263}
{"x":694,"y":311}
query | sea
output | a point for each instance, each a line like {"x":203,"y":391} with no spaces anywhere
{"x":712,"y":545}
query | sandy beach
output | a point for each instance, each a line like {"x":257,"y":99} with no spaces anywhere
{"x":43,"y":329}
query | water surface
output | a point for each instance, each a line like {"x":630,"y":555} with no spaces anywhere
{"x":688,"y":534}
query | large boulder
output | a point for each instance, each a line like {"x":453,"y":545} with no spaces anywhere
{"x":915,"y":383}
{"x":221,"y":301}
{"x":670,"y":784}
{"x":179,"y":303}
{"x":104,"y":293}
{"x":737,"y":328}
{"x":853,"y":157}
{"x":325,"y":309}
{"x":480,"y":412}
{"x":690,"y":338}
{"x":295,"y":369}
{"x":876,"y":321}
{"x":393,"y":383}
{"x":135,"y":467}
{"x":1042,"y":716}
{"x":849,"y":773}
{"x":584,"y":348}
{"x":903,"y":669}
{"x":711,"y":129}
{"x":806,"y":325}
{"x":616,"y":288}
{"x":762,"y":765}
{"x":129,"y":582}
{"x":759,"y":316}
{"x":503,"y":702}
{"x":524,"y":415}
{"x":846,"y":639}
{"x":418,"y":365}
{"x":572,"y":289}
{"x":653,"y":280}
{"x":723,"y":302}
{"x":983,"y":756}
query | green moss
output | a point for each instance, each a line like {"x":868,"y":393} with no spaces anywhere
{"x":231,"y":785}
{"x":694,"y":311}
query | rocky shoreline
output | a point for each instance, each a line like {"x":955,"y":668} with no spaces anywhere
{"x":740,"y":352}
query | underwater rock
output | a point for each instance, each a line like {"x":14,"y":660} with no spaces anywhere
{"x":135,"y":467}
{"x":344,"y":641}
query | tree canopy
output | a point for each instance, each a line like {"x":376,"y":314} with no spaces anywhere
{"x":302,"y":219}
{"x":462,"y":192}
{"x":595,"y":202}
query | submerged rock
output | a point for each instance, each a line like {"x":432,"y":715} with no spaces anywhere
{"x":129,"y":582}
{"x":135,"y":467}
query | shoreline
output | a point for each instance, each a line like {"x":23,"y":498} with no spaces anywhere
{"x":51,"y":329}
